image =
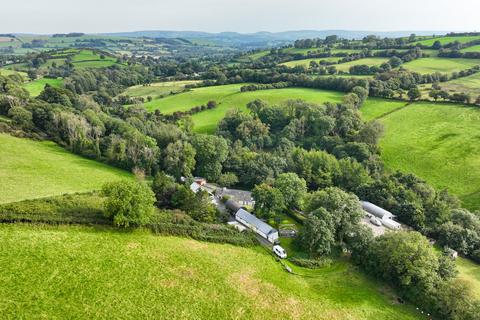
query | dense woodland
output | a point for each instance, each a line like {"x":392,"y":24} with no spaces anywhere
{"x":316,"y":160}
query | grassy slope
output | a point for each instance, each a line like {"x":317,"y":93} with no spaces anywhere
{"x":471,"y":49}
{"x":469,"y":271}
{"x":157,"y":89}
{"x":31,"y":169}
{"x":470,"y":84}
{"x":7,"y":72}
{"x":229,"y":97}
{"x":438,"y":142}
{"x":367,"y":61}
{"x":89,"y":59}
{"x":36,"y":87}
{"x":306,"y":62}
{"x":445,"y":40}
{"x":442,"y":65}
{"x":60,"y":272}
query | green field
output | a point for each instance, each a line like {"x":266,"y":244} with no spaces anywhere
{"x":36,"y":87}
{"x":442,"y":65}
{"x":469,"y":271}
{"x":258,"y":55}
{"x":90,"y":59}
{"x":445,"y":40}
{"x":306,"y":62}
{"x":471,"y":49}
{"x":228,"y":97}
{"x":470,"y":84}
{"x":437,"y":142}
{"x":31,"y":169}
{"x":158,"y":89}
{"x":345,"y":67}
{"x":7,"y":72}
{"x":60,"y":272}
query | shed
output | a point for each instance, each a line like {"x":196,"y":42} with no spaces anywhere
{"x":233,"y":205}
{"x":257,"y":225}
{"x":376,"y":210}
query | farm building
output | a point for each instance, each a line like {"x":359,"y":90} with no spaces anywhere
{"x":244,"y":198}
{"x":233,"y":205}
{"x":257,"y":225}
{"x":386,"y":217}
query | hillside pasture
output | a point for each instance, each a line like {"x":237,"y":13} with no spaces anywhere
{"x":228,"y":97}
{"x":442,"y":65}
{"x":158,"y":89}
{"x":447,"y":40}
{"x":102,"y":273}
{"x":470,"y":85}
{"x":36,"y":87}
{"x":306,"y":62}
{"x":469,"y":272}
{"x":471,"y":49}
{"x":90,"y":59}
{"x":34,"y":169}
{"x":345,"y":67}
{"x":7,"y":72}
{"x":437,"y":142}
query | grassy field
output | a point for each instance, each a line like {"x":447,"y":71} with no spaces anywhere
{"x":57,"y":272}
{"x":469,"y":271}
{"x":437,"y":142}
{"x":32,"y":169}
{"x":471,"y":49}
{"x":158,"y":89}
{"x":258,"y":55}
{"x":228,"y":97}
{"x":470,"y":84}
{"x":445,"y":40}
{"x":7,"y":72}
{"x":36,"y":87}
{"x":345,"y":67}
{"x":306,"y":62}
{"x":90,"y":59}
{"x":442,"y":65}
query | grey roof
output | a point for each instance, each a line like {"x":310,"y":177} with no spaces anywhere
{"x":233,"y":205}
{"x":254,"y":221}
{"x":376,"y":210}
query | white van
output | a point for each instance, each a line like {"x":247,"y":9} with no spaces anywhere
{"x":280,"y":252}
{"x":375,"y":221}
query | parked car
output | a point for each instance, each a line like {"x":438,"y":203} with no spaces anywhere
{"x":375,"y":221}
{"x":280,"y":252}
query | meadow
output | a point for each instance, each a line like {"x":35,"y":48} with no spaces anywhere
{"x":446,"y":40}
{"x":442,"y":65}
{"x":345,"y":67}
{"x":7,"y":72}
{"x":471,"y":49}
{"x":228,"y":97}
{"x":36,"y":87}
{"x":158,"y":89}
{"x":437,"y":142}
{"x":470,"y":85}
{"x":33,"y":169}
{"x":469,"y":271}
{"x":306,"y":62}
{"x":90,"y":59}
{"x":57,"y":272}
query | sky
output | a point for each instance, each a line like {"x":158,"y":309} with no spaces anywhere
{"x":97,"y":16}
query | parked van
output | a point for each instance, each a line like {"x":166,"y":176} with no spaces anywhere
{"x":375,"y":221}
{"x":280,"y":252}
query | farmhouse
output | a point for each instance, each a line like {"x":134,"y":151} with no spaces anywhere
{"x":386,"y":217}
{"x":257,"y":225}
{"x":244,"y":198}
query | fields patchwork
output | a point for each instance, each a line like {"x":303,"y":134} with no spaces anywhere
{"x":446,"y":40}
{"x":345,"y":67}
{"x":32,"y":169}
{"x":306,"y":62}
{"x":158,"y":89}
{"x":61,"y":271}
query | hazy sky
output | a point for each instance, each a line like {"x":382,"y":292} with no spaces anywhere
{"x":51,"y":16}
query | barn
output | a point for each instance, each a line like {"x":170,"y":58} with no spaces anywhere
{"x":257,"y":225}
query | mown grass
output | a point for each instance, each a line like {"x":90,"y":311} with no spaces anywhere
{"x":442,"y":65}
{"x":228,"y":97}
{"x":36,"y":87}
{"x":345,"y":67}
{"x":306,"y":62}
{"x":32,"y":169}
{"x":60,"y":272}
{"x":446,"y":40}
{"x":437,"y":142}
{"x":158,"y":89}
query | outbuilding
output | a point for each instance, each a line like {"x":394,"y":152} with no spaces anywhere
{"x":257,"y":225}
{"x":385,"y":217}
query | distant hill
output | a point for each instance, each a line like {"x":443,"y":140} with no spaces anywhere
{"x":265,"y":38}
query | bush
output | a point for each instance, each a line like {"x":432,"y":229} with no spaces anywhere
{"x":128,"y":202}
{"x":311,"y":263}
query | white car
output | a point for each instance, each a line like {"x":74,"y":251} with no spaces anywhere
{"x":375,"y":221}
{"x":280,"y":252}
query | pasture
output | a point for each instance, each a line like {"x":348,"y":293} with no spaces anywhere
{"x":33,"y":169}
{"x":442,"y":65}
{"x":470,"y":84}
{"x":36,"y":87}
{"x":469,"y":271}
{"x":90,"y":59}
{"x":471,"y":49}
{"x":437,"y":142}
{"x":228,"y":97}
{"x":306,"y":62}
{"x":446,"y":40}
{"x":345,"y":67}
{"x":59,"y":271}
{"x":7,"y":72}
{"x":158,"y":90}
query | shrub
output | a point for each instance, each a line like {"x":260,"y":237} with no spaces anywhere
{"x":128,"y":202}
{"x":311,"y":263}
